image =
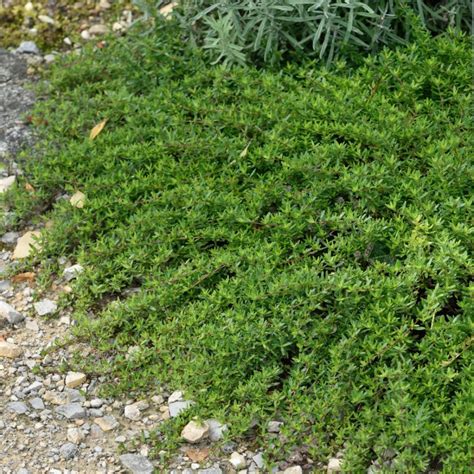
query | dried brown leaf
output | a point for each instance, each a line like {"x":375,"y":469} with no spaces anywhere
{"x":197,"y":455}
{"x":28,"y":277}
{"x":97,"y":129}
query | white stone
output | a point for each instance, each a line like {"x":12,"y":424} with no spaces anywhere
{"x":72,"y":411}
{"x":75,"y":379}
{"x":175,"y":396}
{"x":237,"y":460}
{"x":10,"y":313}
{"x":106,"y":423}
{"x":72,"y":272}
{"x":68,"y":450}
{"x":274,"y":426}
{"x":132,"y":412}
{"x":168,"y":9}
{"x":293,"y":470}
{"x":17,"y":407}
{"x":37,"y":403}
{"x":28,"y":47}
{"x":49,"y":58}
{"x":98,"y":30}
{"x":9,"y":350}
{"x":46,"y":19}
{"x":85,"y":35}
{"x":45,"y":307}
{"x":78,"y":199}
{"x":194,"y":431}
{"x":6,"y":183}
{"x":136,"y":464}
{"x":216,"y":430}
{"x":176,"y":408}
{"x":75,"y":435}
{"x":258,"y":460}
{"x":25,"y":244}
{"x":334,"y":465}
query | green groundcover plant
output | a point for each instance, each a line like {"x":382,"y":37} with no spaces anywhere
{"x":241,"y":31}
{"x":292,"y":245}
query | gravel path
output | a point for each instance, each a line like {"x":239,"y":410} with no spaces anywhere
{"x":15,"y":99}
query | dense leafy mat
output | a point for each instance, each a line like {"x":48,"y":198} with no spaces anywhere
{"x":290,"y":245}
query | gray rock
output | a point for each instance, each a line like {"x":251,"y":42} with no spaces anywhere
{"x":19,"y":408}
{"x":136,"y":464}
{"x":72,"y":272}
{"x":28,"y":47}
{"x":258,"y":460}
{"x":5,"y":285}
{"x":178,"y":407}
{"x":74,"y":395}
{"x":33,"y":387}
{"x":49,"y":58}
{"x":96,"y":403}
{"x":37,"y":403}
{"x":68,"y":450}
{"x":10,"y":238}
{"x":216,"y":430}
{"x":211,"y":470}
{"x":274,"y":426}
{"x":9,"y":313}
{"x":45,"y":307}
{"x":98,"y":30}
{"x":96,"y":412}
{"x":71,"y":411}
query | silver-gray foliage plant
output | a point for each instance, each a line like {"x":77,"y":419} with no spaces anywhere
{"x":237,"y":31}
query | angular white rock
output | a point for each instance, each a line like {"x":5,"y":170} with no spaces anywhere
{"x":136,"y":464}
{"x":216,"y":430}
{"x":8,"y":312}
{"x":237,"y":460}
{"x":75,"y":435}
{"x":25,"y":244}
{"x":176,"y":408}
{"x":132,"y":412}
{"x":9,"y":350}
{"x":106,"y":423}
{"x":72,"y":272}
{"x":45,"y":307}
{"x":334,"y":465}
{"x":78,"y":199}
{"x":293,"y":470}
{"x":74,"y":379}
{"x":6,"y":183}
{"x":194,"y":432}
